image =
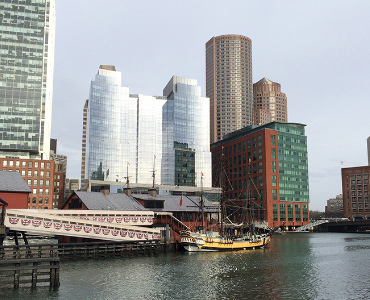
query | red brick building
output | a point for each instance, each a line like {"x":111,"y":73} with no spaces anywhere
{"x":42,"y":179}
{"x":265,"y":174}
{"x":355,"y":187}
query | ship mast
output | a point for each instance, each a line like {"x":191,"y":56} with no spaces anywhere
{"x":202,"y":201}
{"x":222,"y":204}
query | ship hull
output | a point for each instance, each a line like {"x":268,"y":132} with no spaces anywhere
{"x":200,"y":243}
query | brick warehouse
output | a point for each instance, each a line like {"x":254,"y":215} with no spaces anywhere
{"x":270,"y":162}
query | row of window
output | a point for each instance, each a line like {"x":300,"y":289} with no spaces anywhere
{"x":24,"y":164}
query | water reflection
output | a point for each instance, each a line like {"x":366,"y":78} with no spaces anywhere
{"x":293,"y":266}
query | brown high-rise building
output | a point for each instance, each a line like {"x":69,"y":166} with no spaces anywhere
{"x":229,"y":83}
{"x":269,"y":103}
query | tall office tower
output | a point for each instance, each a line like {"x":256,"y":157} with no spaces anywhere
{"x":27,"y":30}
{"x":186,"y":148}
{"x":229,"y":83}
{"x":111,"y":127}
{"x":129,"y":136}
{"x":269,"y":103}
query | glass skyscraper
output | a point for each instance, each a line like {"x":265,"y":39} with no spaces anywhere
{"x":27,"y":30}
{"x":132,"y":135}
{"x":186,"y":129}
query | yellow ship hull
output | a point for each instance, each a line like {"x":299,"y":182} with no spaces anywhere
{"x":194,"y":242}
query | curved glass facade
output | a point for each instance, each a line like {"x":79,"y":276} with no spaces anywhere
{"x":144,"y":133}
{"x":186,"y":146}
{"x":111,"y":128}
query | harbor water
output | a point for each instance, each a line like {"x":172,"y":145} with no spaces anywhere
{"x":293,"y":266}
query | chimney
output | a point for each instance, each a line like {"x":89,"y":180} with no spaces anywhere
{"x":152,"y":192}
{"x":127,"y":191}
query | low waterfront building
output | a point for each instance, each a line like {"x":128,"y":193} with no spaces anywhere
{"x":185,"y":209}
{"x":355,"y":187}
{"x":14,"y":190}
{"x":265,"y":173}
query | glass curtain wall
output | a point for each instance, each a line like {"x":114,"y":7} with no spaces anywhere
{"x":27,"y":30}
{"x":112,"y":130}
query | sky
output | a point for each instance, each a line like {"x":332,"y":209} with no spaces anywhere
{"x":317,"y":50}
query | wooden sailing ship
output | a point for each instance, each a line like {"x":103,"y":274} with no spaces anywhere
{"x":230,"y":236}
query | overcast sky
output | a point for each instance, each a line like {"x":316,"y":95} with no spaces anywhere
{"x":317,"y":50}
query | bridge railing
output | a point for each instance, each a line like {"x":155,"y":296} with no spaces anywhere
{"x":311,"y":225}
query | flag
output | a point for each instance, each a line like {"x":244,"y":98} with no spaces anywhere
{"x":181,"y":201}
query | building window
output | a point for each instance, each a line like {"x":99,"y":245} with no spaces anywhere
{"x":47,"y":174}
{"x":47,"y":182}
{"x":46,"y":200}
{"x":42,"y":165}
{"x":260,"y":180}
{"x":23,"y":172}
{"x":40,"y":200}
{"x":274,"y":212}
{"x":259,"y":140}
{"x":274,"y":194}
{"x":17,"y":163}
{"x":34,"y":191}
{"x":11,"y":163}
{"x":259,"y":153}
{"x":23,"y":164}
{"x":35,"y":182}
{"x":41,"y":182}
{"x":33,"y":200}
{"x":36,"y":164}
{"x":273,"y":183}
{"x":29,"y":182}
{"x":41,"y":173}
{"x":273,"y":167}
{"x":5,"y":163}
{"x":35,"y":173}
{"x":30,"y":164}
{"x":282,"y":212}
{"x":46,"y":191}
{"x":273,"y":153}
{"x":290,"y":212}
{"x":48,"y":165}
{"x":41,"y":191}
